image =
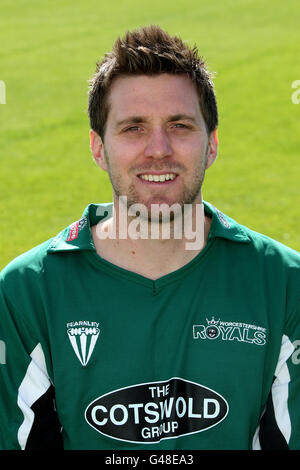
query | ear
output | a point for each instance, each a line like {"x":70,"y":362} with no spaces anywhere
{"x":212,"y":149}
{"x":97,"y":149}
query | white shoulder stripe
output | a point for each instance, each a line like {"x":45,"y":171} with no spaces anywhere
{"x":35,"y":383}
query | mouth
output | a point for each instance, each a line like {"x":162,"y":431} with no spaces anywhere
{"x":157,"y":179}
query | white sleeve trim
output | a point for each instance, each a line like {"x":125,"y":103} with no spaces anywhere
{"x":35,"y":384}
{"x":280,"y":389}
{"x":280,"y":393}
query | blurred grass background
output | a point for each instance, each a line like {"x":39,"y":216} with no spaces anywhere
{"x":48,"y":52}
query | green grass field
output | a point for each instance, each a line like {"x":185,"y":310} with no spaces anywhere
{"x":48,"y":52}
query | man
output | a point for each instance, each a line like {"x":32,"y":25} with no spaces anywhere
{"x":156,"y":321}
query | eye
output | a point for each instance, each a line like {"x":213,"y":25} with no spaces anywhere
{"x":180,"y":125}
{"x":132,"y":129}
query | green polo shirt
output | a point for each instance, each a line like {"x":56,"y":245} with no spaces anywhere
{"x":94,"y":356}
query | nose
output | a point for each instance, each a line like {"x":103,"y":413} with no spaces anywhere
{"x":158,"y":145}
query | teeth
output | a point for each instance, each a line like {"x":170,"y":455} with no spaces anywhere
{"x":160,"y":178}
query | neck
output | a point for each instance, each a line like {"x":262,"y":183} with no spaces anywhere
{"x":152,"y":247}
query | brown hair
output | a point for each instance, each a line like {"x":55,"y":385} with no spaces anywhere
{"x":149,"y":51}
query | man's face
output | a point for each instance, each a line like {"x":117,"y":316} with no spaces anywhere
{"x":155,"y":130}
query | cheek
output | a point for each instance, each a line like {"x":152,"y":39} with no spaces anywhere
{"x":124,"y":156}
{"x":192,"y":147}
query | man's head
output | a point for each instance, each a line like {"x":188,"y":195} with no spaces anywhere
{"x":149,"y":51}
{"x":153,"y":117}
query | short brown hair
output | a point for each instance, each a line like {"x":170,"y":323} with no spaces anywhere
{"x":149,"y":51}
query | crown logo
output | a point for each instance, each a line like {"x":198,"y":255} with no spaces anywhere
{"x":212,"y":321}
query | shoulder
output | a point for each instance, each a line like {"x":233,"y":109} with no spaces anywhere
{"x":30,"y":263}
{"x":272,"y":263}
{"x":275,"y":266}
{"x":45,"y":260}
{"x":249,"y":240}
{"x":271,"y":249}
{"x":75,"y":237}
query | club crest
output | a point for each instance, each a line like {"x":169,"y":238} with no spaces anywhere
{"x":83,"y":336}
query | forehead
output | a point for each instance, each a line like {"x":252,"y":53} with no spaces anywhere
{"x":150,"y":95}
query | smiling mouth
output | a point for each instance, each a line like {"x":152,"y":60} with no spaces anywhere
{"x":154,"y":178}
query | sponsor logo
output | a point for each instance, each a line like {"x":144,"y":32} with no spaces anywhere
{"x":230,"y":331}
{"x":75,"y":228}
{"x":150,"y":412}
{"x":83,"y":336}
{"x":73,"y":232}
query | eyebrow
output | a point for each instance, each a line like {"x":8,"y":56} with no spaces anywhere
{"x":181,"y":117}
{"x":131,"y":120}
{"x":140,"y":119}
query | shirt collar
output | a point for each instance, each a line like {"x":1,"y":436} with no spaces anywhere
{"x":223,"y":226}
{"x":78,"y":236}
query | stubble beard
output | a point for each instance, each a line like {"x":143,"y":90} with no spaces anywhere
{"x":190,"y":193}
